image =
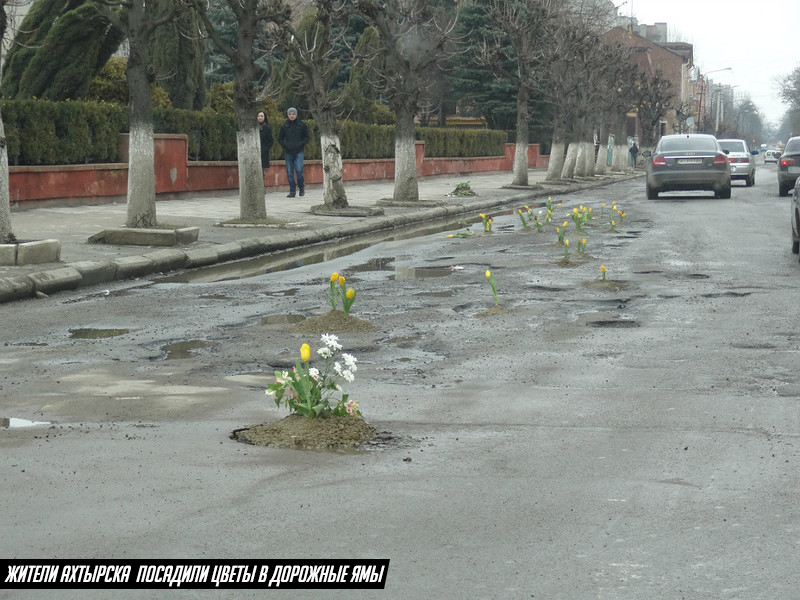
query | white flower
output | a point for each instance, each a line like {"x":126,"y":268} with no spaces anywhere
{"x":313,"y":372}
{"x":270,"y":393}
{"x":337,"y":368}
{"x":338,"y":387}
{"x":347,"y":376}
{"x":324,"y":352}
{"x":331,"y":341}
{"x":283,"y":378}
{"x":350,"y":361}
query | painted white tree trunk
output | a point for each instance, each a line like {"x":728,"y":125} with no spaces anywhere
{"x":406,"y":183}
{"x":556,"y":163}
{"x":568,"y":172}
{"x":333,"y":193}
{"x":620,"y":160}
{"x":141,"y":195}
{"x":6,"y":233}
{"x":584,"y":160}
{"x":600,"y":162}
{"x":520,"y":164}
{"x":252,"y":203}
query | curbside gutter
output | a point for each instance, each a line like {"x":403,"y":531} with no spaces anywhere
{"x":87,"y":273}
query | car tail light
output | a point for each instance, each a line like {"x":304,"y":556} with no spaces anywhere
{"x":733,"y":160}
{"x":720,"y":160}
{"x":746,"y":159}
{"x":788,"y":162}
{"x":659,"y":161}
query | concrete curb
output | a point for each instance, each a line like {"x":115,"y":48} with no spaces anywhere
{"x":86,"y":273}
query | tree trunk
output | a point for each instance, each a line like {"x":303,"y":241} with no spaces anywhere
{"x":556,"y":163}
{"x":521,"y":148}
{"x":406,"y":184}
{"x":568,"y":172}
{"x":333,"y":194}
{"x":141,"y":195}
{"x":252,"y":201}
{"x":601,"y":160}
{"x":6,"y":233}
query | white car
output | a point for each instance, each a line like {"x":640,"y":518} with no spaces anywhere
{"x":771,"y":156}
{"x":743,"y":164}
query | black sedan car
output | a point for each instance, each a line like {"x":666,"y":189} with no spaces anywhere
{"x":789,"y":166}
{"x":693,"y":161}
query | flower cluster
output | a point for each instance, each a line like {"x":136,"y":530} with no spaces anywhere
{"x":309,"y":391}
{"x":348,"y":295}
{"x":487,"y":222}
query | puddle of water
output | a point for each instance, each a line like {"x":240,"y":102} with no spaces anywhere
{"x":420,"y":272}
{"x":606,"y":319}
{"x":281,"y":319}
{"x":376,"y":264}
{"x":300,"y":257}
{"x":96,"y":334}
{"x":14,"y":423}
{"x":282,"y":293}
{"x":179,"y":350}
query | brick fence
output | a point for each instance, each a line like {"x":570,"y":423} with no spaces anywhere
{"x":175,"y":174}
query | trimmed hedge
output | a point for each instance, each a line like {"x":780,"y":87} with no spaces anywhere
{"x":41,"y":132}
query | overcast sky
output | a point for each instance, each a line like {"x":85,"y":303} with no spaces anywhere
{"x":758,"y":39}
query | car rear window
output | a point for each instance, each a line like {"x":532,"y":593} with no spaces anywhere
{"x":692,"y":144}
{"x":733,"y":146}
{"x":792,"y":146}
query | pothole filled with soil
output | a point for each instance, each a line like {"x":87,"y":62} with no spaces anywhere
{"x":296,"y":431}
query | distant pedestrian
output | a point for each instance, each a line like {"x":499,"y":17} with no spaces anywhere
{"x":265,"y":133}
{"x":634,"y":153}
{"x":293,"y":137}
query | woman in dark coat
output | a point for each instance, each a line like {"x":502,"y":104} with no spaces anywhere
{"x":265,"y":131}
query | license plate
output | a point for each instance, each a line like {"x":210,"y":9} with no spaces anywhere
{"x":794,"y":170}
{"x":690,"y":161}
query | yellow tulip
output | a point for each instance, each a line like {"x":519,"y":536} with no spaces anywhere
{"x":305,"y":352}
{"x":341,"y":280}
{"x":350,"y":293}
{"x":488,"y":274}
{"x":583,"y":241}
{"x":603,"y":268}
{"x":566,"y":242}
{"x":334,"y":277}
{"x":565,"y":224}
{"x":575,"y":210}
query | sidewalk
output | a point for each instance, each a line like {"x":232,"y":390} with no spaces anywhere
{"x":83,"y":264}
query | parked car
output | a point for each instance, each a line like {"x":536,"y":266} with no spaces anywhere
{"x":693,"y":161}
{"x":743,"y":164}
{"x":771,"y":156}
{"x":796,"y":218}
{"x":789,"y":166}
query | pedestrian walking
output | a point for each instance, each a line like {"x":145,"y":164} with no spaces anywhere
{"x":634,"y":153}
{"x":293,"y":137}
{"x":265,"y":133}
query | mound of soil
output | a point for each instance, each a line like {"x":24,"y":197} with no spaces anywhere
{"x":495,"y":310}
{"x":295,"y":431}
{"x":334,"y":321}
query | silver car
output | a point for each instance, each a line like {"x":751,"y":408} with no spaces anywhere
{"x":743,"y":164}
{"x":795,"y":217}
{"x":693,"y":161}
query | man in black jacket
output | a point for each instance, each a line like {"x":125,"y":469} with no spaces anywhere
{"x":293,"y":137}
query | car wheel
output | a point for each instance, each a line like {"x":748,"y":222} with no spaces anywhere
{"x":652,"y":193}
{"x":751,"y":181}
{"x":795,"y":246}
{"x":725,"y":192}
{"x":783,"y":190}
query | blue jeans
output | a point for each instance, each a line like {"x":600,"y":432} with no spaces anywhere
{"x":294,"y":164}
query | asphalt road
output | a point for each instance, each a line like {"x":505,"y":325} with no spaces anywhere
{"x":639,"y":439}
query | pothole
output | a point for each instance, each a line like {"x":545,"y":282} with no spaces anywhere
{"x":281,"y":319}
{"x":187,"y":349}
{"x":96,"y":334}
{"x":420,"y":272}
{"x":12,"y":423}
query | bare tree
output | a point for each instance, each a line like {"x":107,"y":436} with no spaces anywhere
{"x":413,"y":37}
{"x":138,"y":20}
{"x":251,"y":16}
{"x":311,"y":46}
{"x":653,"y":97}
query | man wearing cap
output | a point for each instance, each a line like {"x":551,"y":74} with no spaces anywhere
{"x":293,"y":137}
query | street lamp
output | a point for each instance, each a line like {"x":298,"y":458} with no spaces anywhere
{"x":700,"y":79}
